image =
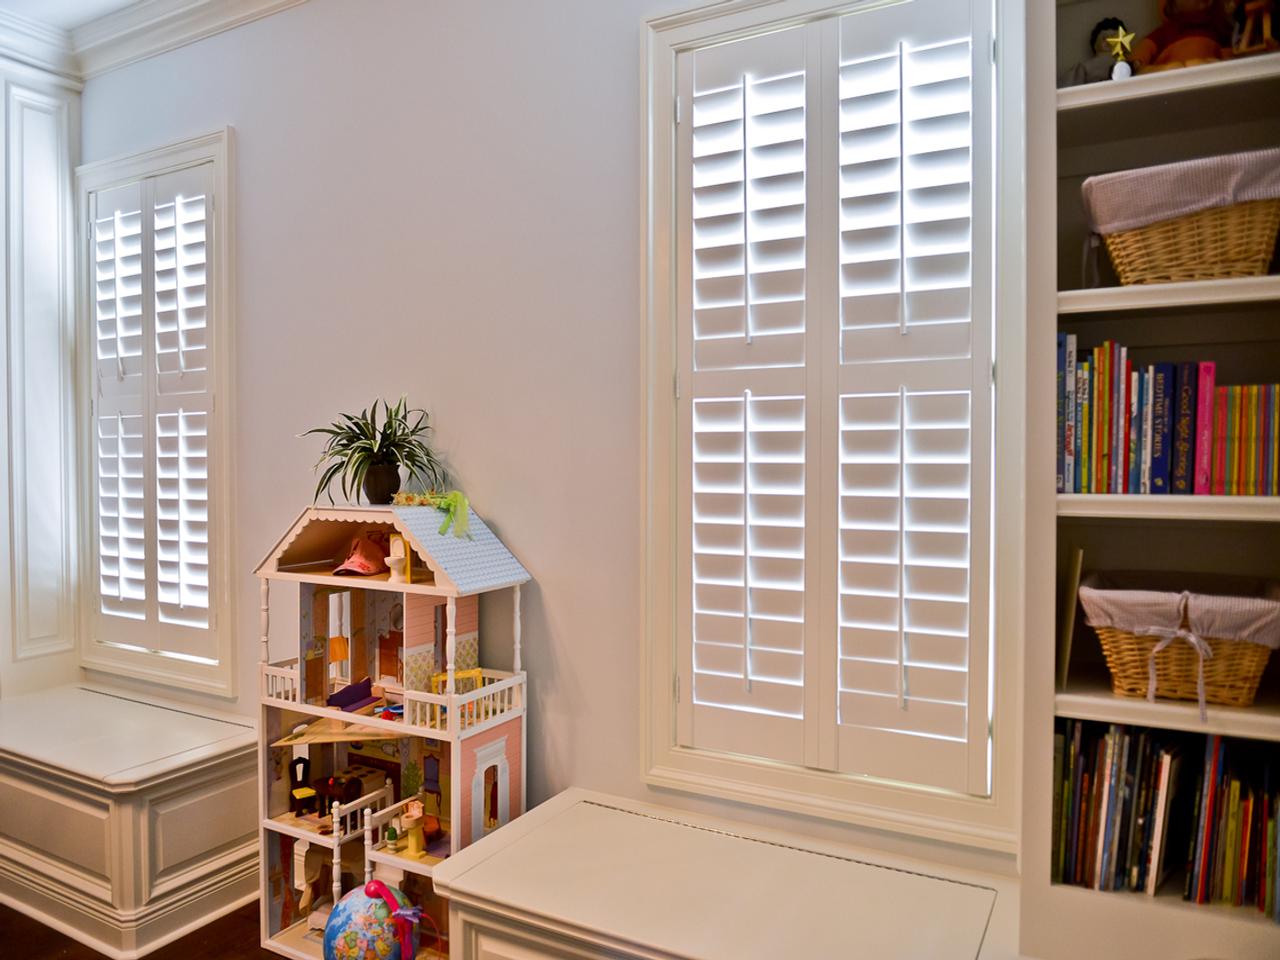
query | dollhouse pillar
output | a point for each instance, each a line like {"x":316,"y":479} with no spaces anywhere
{"x":515,"y":628}
{"x":265,"y":591}
{"x":337,"y":857}
{"x":368,"y":843}
{"x":450,"y":638}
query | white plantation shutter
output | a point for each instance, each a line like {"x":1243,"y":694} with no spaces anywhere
{"x":834,"y":397}
{"x":745,"y":413}
{"x":182,"y":398}
{"x":119,"y":434}
{"x":152,"y":411}
{"x":915,"y":404}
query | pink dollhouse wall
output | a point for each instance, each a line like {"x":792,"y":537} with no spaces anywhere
{"x":512,"y":730}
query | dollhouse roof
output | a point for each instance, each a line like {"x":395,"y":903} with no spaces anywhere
{"x":474,"y":563}
{"x":319,"y":539}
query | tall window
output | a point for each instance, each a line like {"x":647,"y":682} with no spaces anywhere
{"x":156,"y":334}
{"x":832,"y":420}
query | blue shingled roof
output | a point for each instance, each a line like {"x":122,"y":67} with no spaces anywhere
{"x":474,"y":563}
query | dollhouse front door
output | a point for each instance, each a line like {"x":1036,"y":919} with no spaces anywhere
{"x":492,"y":756}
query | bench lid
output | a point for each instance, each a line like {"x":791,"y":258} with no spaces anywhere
{"x":108,"y":737}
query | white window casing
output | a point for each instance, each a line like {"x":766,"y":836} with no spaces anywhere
{"x":157,"y":331}
{"x":819,"y":490}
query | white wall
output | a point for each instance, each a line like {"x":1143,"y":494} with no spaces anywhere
{"x":443,"y":199}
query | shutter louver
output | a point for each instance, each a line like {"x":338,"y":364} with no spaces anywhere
{"x":181,"y":317}
{"x":121,"y":508}
{"x":905,"y":204}
{"x":748,"y":554}
{"x":182,"y":517}
{"x":745,"y":354}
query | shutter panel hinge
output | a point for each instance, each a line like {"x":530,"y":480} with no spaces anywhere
{"x":993,"y":48}
{"x":676,"y":687}
{"x":677,"y":110}
{"x":675,"y":385}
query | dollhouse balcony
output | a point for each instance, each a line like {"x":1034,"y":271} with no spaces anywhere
{"x":497,"y":696}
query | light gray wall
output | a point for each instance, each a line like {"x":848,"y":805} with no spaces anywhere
{"x":444,"y":199}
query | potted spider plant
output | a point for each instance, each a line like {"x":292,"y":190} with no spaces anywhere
{"x":366,"y":455}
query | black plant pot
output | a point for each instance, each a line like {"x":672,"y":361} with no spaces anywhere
{"x":381,"y":482}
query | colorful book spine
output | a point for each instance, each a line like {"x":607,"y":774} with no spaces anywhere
{"x":1133,"y":475}
{"x":1182,"y":470}
{"x":1061,"y":434}
{"x":1069,"y":431}
{"x":1148,"y":375}
{"x":1162,"y":400}
{"x":1086,"y":430}
{"x":1205,"y":394}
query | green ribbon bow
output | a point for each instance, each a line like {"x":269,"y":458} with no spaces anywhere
{"x":457,"y":512}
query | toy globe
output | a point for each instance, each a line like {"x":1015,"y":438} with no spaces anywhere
{"x":375,"y":921}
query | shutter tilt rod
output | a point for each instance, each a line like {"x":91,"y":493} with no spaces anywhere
{"x":746,"y":216}
{"x":746,"y":537}
{"x":902,"y":192}
{"x":902,"y":547}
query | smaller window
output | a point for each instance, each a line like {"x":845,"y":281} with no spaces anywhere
{"x":156,"y":328}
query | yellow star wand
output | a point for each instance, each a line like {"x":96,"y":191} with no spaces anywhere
{"x":1121,"y":44}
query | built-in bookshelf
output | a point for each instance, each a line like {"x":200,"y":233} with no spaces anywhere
{"x":1087,"y":130}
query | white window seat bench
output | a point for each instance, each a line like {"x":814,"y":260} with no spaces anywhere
{"x":124,"y":824}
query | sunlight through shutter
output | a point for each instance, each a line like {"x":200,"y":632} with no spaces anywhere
{"x":119,"y":436}
{"x":179,"y":210}
{"x":746,"y":407}
{"x":834,"y":397}
{"x":152,"y":410}
{"x":914,"y":413}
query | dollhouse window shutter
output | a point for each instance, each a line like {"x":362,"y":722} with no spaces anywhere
{"x":835,"y":397}
{"x":152,"y":407}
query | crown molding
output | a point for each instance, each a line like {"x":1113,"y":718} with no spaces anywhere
{"x":38,"y":45}
{"x":150,"y":27}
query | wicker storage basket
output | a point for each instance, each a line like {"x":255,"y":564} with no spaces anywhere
{"x":1205,"y":219}
{"x":1234,"y":241}
{"x":1231,"y":666}
{"x":1231,"y":675}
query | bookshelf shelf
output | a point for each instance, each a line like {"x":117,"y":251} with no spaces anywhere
{"x":1181,"y":84}
{"x":1121,"y":905}
{"x":1090,"y":698}
{"x":1168,"y":507}
{"x":1163,"y":296}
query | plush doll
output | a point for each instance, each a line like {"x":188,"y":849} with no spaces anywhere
{"x":1104,"y":63}
{"x":1193,"y":32}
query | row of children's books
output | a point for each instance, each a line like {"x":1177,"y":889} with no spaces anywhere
{"x":1133,"y":806}
{"x":1161,"y":427}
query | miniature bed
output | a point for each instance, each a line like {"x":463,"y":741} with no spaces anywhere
{"x":383,"y":670}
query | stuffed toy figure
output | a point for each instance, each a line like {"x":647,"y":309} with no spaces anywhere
{"x":1193,"y":32}
{"x":1102,"y":63}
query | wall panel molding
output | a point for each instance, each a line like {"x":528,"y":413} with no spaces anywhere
{"x":40,"y":369}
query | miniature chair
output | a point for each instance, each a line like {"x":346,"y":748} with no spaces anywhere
{"x":464,"y":681}
{"x":302,"y":797}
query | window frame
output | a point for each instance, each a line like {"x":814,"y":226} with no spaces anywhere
{"x":986,"y":822}
{"x":218,"y":678}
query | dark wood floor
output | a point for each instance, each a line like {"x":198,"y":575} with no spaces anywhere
{"x":234,"y":937}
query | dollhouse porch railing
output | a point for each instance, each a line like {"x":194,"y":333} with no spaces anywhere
{"x":499,"y":693}
{"x":280,"y":681}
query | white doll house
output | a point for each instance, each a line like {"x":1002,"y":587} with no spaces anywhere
{"x":386,"y":745}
